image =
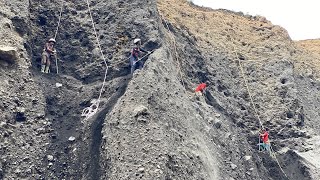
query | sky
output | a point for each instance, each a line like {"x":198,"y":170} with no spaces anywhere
{"x":301,"y":18}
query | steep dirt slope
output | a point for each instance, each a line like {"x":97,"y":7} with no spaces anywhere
{"x":280,"y":78}
{"x":307,"y":78}
{"x":311,"y":50}
{"x":23,"y":127}
{"x":150,"y":125}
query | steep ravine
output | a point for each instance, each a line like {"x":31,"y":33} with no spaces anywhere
{"x":80,"y":159}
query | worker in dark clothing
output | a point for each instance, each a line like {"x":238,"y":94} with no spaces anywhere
{"x":48,"y":55}
{"x":300,"y":116}
{"x":135,"y":63}
{"x":265,"y":140}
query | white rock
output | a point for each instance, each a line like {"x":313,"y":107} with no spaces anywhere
{"x":141,"y":170}
{"x":71,"y":139}
{"x":140,"y":110}
{"x":217,"y":115}
{"x":17,"y":171}
{"x":247,"y":158}
{"x":58,"y":85}
{"x":8,"y":54}
{"x":233,"y":166}
{"x":50,"y":157}
{"x":3,"y":124}
{"x":21,"y":109}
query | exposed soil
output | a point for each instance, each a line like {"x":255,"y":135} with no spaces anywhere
{"x":151,"y":125}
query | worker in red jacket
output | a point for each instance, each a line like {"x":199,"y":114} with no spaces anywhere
{"x":135,"y":63}
{"x":200,"y":89}
{"x":265,"y":140}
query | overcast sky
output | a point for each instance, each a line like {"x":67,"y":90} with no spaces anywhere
{"x":301,"y":18}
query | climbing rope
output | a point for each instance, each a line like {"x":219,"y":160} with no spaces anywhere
{"x":56,"y":33}
{"x":251,"y":98}
{"x":91,"y":110}
{"x":144,"y":56}
{"x":246,"y":82}
{"x":59,"y":21}
{"x":176,"y":55}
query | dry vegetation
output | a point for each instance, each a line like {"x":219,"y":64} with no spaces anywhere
{"x":310,"y":45}
{"x":309,"y":58}
{"x":252,"y":38}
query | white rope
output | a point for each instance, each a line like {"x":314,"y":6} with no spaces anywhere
{"x":275,"y":157}
{"x":176,"y":55}
{"x":144,"y":56}
{"x":55,"y":34}
{"x":272,"y":153}
{"x":91,"y":110}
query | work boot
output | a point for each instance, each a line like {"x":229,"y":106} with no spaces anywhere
{"x":47,"y":69}
{"x":42,"y":68}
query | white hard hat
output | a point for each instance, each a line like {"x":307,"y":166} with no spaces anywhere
{"x":136,"y":40}
{"x":52,"y":40}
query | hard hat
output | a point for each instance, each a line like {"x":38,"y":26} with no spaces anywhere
{"x":135,"y":41}
{"x":52,"y":40}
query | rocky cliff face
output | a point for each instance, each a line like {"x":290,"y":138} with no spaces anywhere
{"x":150,"y":125}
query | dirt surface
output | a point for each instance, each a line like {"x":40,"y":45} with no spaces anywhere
{"x":151,"y":125}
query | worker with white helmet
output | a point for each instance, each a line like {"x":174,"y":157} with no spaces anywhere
{"x":47,"y":55}
{"x":134,"y":57}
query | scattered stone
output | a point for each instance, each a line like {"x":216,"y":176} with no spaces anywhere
{"x":217,"y":123}
{"x":35,"y":101}
{"x":141,"y":170}
{"x":3,"y":125}
{"x":210,"y":120}
{"x":142,"y":120}
{"x":158,"y":171}
{"x":140,"y":110}
{"x":8,"y":54}
{"x":54,"y":136}
{"x":29,"y":171}
{"x":247,"y":158}
{"x":17,"y":171}
{"x":233,"y":166}
{"x":71,"y":139}
{"x":41,"y":130}
{"x":20,"y":116}
{"x":58,"y":85}
{"x":50,"y":157}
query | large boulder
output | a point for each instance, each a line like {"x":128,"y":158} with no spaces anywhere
{"x":8,"y":54}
